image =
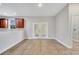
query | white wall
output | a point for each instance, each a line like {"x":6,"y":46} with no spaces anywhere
{"x":63,"y":30}
{"x":9,"y":38}
{"x":51,"y":25}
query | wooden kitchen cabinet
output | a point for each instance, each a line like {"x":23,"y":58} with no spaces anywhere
{"x":3,"y":23}
{"x":19,"y":23}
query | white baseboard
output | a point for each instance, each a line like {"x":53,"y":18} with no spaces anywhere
{"x":40,"y":38}
{"x":63,"y":43}
{"x":76,"y":40}
{"x":10,"y":46}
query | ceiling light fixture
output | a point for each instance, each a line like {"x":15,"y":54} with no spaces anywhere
{"x":40,"y":5}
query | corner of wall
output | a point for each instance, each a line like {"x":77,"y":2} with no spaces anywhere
{"x":64,"y":44}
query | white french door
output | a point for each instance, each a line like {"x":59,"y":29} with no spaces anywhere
{"x":40,"y":30}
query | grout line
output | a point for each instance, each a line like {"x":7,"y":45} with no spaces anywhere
{"x":40,"y":46}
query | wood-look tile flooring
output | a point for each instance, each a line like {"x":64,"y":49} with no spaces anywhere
{"x":42,"y":47}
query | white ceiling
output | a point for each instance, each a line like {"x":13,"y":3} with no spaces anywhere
{"x":31,"y":9}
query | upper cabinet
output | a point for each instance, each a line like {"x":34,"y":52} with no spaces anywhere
{"x":3,"y":23}
{"x":19,"y":23}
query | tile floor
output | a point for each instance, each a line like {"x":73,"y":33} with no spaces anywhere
{"x":42,"y":47}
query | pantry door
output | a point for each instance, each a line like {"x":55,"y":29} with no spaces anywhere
{"x":40,"y":30}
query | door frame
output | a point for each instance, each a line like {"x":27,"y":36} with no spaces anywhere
{"x":33,"y":32}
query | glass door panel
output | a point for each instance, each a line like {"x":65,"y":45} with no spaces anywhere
{"x":40,"y":30}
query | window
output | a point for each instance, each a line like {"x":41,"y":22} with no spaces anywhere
{"x":14,"y":23}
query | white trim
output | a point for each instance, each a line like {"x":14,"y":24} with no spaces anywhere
{"x":64,"y":44}
{"x":40,"y":38}
{"x":76,"y":40}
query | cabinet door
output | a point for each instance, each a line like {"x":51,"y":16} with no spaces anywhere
{"x":3,"y":23}
{"x":19,"y":23}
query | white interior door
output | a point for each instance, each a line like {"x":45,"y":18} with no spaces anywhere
{"x":75,"y":23}
{"x":40,"y":30}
